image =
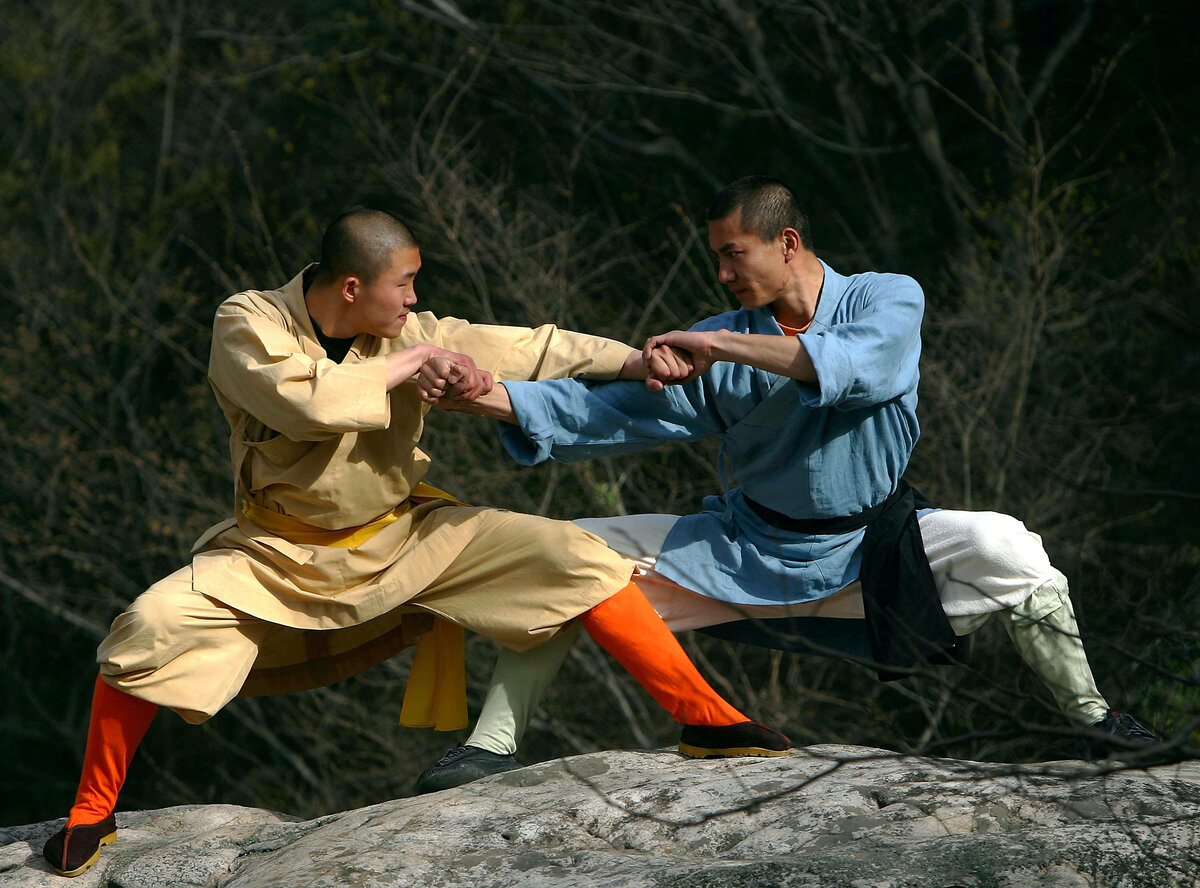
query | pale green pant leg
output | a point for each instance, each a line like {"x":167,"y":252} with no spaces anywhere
{"x":1045,"y":634}
{"x":518,"y":684}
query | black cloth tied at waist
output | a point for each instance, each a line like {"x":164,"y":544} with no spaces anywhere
{"x":816,"y":526}
{"x":904,"y":621}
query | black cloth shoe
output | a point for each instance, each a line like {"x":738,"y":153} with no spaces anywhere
{"x":746,"y":738}
{"x":462,"y":764}
{"x":1119,"y":732}
{"x":73,"y":851}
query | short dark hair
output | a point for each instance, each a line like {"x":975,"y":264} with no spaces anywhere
{"x":361,"y":241}
{"x":768,"y":206}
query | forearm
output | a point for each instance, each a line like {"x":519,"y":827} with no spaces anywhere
{"x":634,"y":366}
{"x":496,"y":404}
{"x":403,"y":365}
{"x":783,"y":355}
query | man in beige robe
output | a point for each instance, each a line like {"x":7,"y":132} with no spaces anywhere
{"x":339,"y":555}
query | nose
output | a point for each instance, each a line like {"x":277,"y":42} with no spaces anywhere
{"x":725,"y":274}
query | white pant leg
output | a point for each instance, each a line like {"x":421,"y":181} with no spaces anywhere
{"x":982,"y":562}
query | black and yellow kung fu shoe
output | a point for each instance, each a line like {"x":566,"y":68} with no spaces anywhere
{"x":745,"y":738}
{"x":72,"y":851}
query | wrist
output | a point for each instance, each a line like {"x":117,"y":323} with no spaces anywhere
{"x":723,"y":345}
{"x":634,"y":367}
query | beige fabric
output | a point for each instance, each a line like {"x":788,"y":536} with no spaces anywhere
{"x":326,"y":444}
{"x":517,"y":579}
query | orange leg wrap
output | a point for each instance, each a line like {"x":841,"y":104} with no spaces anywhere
{"x":628,"y":628}
{"x":117,"y":726}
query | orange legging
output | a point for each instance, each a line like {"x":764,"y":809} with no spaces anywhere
{"x":628,"y":628}
{"x":625,"y":625}
{"x":117,"y":725}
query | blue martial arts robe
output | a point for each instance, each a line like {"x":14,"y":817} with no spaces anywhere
{"x":829,"y":449}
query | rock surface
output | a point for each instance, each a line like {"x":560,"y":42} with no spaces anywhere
{"x":828,"y":816}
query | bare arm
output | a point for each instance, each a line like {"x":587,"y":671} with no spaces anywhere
{"x":784,"y":355}
{"x":494,"y":404}
{"x":403,"y":365}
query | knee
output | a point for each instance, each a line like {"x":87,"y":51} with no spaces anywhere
{"x":580,"y":548}
{"x":154,"y":614}
{"x":148,"y":626}
{"x":1045,"y":600}
{"x":1006,"y":545}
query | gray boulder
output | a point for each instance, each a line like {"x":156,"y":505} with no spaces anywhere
{"x":827,"y":816}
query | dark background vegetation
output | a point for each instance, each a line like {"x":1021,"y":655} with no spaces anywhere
{"x":1031,"y":163}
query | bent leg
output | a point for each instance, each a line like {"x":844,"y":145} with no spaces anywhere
{"x":161,"y":651}
{"x":985,"y":563}
{"x":520,"y":679}
{"x":172,"y":647}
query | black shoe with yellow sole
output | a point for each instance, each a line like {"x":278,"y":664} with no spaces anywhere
{"x":73,"y":850}
{"x":745,"y":738}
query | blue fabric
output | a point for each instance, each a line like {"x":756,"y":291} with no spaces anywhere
{"x":809,"y":451}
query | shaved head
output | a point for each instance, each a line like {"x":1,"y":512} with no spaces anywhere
{"x":768,"y":206}
{"x":361,"y":242}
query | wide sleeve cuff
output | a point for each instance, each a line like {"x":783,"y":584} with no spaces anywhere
{"x":835,"y":371}
{"x":531,"y":440}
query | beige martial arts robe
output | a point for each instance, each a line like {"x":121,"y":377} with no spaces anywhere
{"x":339,"y":556}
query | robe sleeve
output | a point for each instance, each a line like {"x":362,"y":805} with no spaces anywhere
{"x":524,"y":353}
{"x":257,"y":364}
{"x":568,"y":420}
{"x":873,"y":356}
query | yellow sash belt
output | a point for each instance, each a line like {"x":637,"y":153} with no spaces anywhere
{"x":436,"y":693}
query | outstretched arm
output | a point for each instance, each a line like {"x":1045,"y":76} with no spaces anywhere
{"x":782,"y":355}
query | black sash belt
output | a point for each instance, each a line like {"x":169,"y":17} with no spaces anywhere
{"x":904,"y":618}
{"x":815,"y":526}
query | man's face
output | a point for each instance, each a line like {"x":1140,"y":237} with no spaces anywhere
{"x":382,"y":306}
{"x":754,"y":270}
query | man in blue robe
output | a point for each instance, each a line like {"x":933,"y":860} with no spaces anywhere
{"x":812,"y":388}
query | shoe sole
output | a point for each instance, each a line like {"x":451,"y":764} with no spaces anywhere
{"x":700,"y":752}
{"x":87,"y":864}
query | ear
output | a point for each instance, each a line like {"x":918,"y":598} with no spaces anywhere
{"x":349,"y":290}
{"x":791,"y":243}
